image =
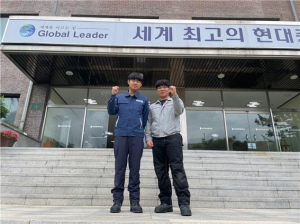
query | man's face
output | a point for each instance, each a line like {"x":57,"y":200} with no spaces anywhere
{"x":134,"y":84}
{"x":163,"y":91}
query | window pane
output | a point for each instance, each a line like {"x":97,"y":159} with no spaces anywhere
{"x":96,"y":129}
{"x":67,"y":96}
{"x":245,"y":99}
{"x":287,"y":125}
{"x":205,"y":130}
{"x":63,"y":128}
{"x":285,"y":100}
{"x":203,"y":99}
{"x":151,"y":94}
{"x":99,"y":97}
{"x":3,"y":25}
{"x":12,"y":105}
{"x":250,"y":132}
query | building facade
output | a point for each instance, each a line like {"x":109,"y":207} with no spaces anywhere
{"x":239,"y":96}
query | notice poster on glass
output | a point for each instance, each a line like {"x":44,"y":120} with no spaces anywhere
{"x":252,"y":145}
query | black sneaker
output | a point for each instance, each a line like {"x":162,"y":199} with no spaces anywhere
{"x":163,"y":208}
{"x":116,"y":208}
{"x":185,"y":210}
{"x":135,"y":207}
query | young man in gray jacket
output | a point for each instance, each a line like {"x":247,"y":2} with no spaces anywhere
{"x":163,"y":136}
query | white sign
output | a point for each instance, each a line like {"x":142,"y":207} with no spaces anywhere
{"x":238,"y":129}
{"x":252,"y":146}
{"x":203,"y":128}
{"x":67,"y":31}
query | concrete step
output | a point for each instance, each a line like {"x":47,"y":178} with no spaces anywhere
{"x":148,"y":153}
{"x":148,"y":170}
{"x":85,"y":177}
{"x":188,"y":162}
{"x":196,"y":202}
{"x":149,"y":159}
{"x":151,"y":179}
{"x":150,"y":189}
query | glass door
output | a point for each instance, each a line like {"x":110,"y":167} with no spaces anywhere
{"x":96,"y":129}
{"x":63,"y":128}
{"x":205,"y":130}
{"x":250,"y":131}
{"x":287,"y":125}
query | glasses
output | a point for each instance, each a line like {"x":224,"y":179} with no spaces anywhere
{"x":163,"y":87}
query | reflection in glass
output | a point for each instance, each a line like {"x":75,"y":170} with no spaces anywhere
{"x":250,"y":132}
{"x":96,"y":129}
{"x":284,"y":100}
{"x":202,"y":99}
{"x":3,"y":25}
{"x":287,"y":125}
{"x":100,"y":96}
{"x":68,"y":96}
{"x":205,"y":130}
{"x":63,"y":128}
{"x":11,"y":104}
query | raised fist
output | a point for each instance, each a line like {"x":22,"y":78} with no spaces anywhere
{"x":114,"y":90}
{"x":173,"y":90}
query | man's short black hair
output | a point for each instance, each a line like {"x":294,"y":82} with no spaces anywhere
{"x":136,"y":75}
{"x":162,"y":82}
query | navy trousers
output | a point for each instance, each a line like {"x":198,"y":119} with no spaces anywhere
{"x":131,"y":149}
{"x":167,"y":152}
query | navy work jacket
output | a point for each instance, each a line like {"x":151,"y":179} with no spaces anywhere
{"x":132,"y":113}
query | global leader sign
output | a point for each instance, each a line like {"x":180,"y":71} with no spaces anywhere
{"x":166,"y":34}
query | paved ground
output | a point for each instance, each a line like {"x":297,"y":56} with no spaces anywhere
{"x":11,"y":214}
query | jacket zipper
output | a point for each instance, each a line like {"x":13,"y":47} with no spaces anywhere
{"x":141,"y":123}
{"x":117,"y":122}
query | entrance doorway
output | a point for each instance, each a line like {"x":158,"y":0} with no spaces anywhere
{"x":96,"y":129}
{"x":63,"y":127}
{"x":250,"y":131}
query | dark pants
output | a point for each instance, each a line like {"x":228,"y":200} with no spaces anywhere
{"x":130,"y":148}
{"x":167,"y":152}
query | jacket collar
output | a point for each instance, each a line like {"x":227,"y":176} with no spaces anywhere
{"x":136,"y":95}
{"x":158,"y":101}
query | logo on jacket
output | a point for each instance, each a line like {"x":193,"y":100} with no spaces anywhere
{"x":27,"y":30}
{"x":139,"y":101}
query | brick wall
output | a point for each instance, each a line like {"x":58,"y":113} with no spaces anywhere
{"x":178,"y":9}
{"x":34,"y":119}
{"x":13,"y":82}
{"x":40,"y":7}
{"x":12,"y":79}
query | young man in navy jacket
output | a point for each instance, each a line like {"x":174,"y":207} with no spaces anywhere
{"x":132,"y":109}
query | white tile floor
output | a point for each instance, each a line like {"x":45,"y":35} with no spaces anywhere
{"x":11,"y":214}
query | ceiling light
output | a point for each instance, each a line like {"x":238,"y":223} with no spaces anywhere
{"x":221,"y":76}
{"x":198,"y":103}
{"x":294,"y":77}
{"x":70,"y":73}
{"x":253,"y":104}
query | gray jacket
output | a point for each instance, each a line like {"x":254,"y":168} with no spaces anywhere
{"x":164,"y":120}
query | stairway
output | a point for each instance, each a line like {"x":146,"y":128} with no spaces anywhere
{"x":84,"y":177}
